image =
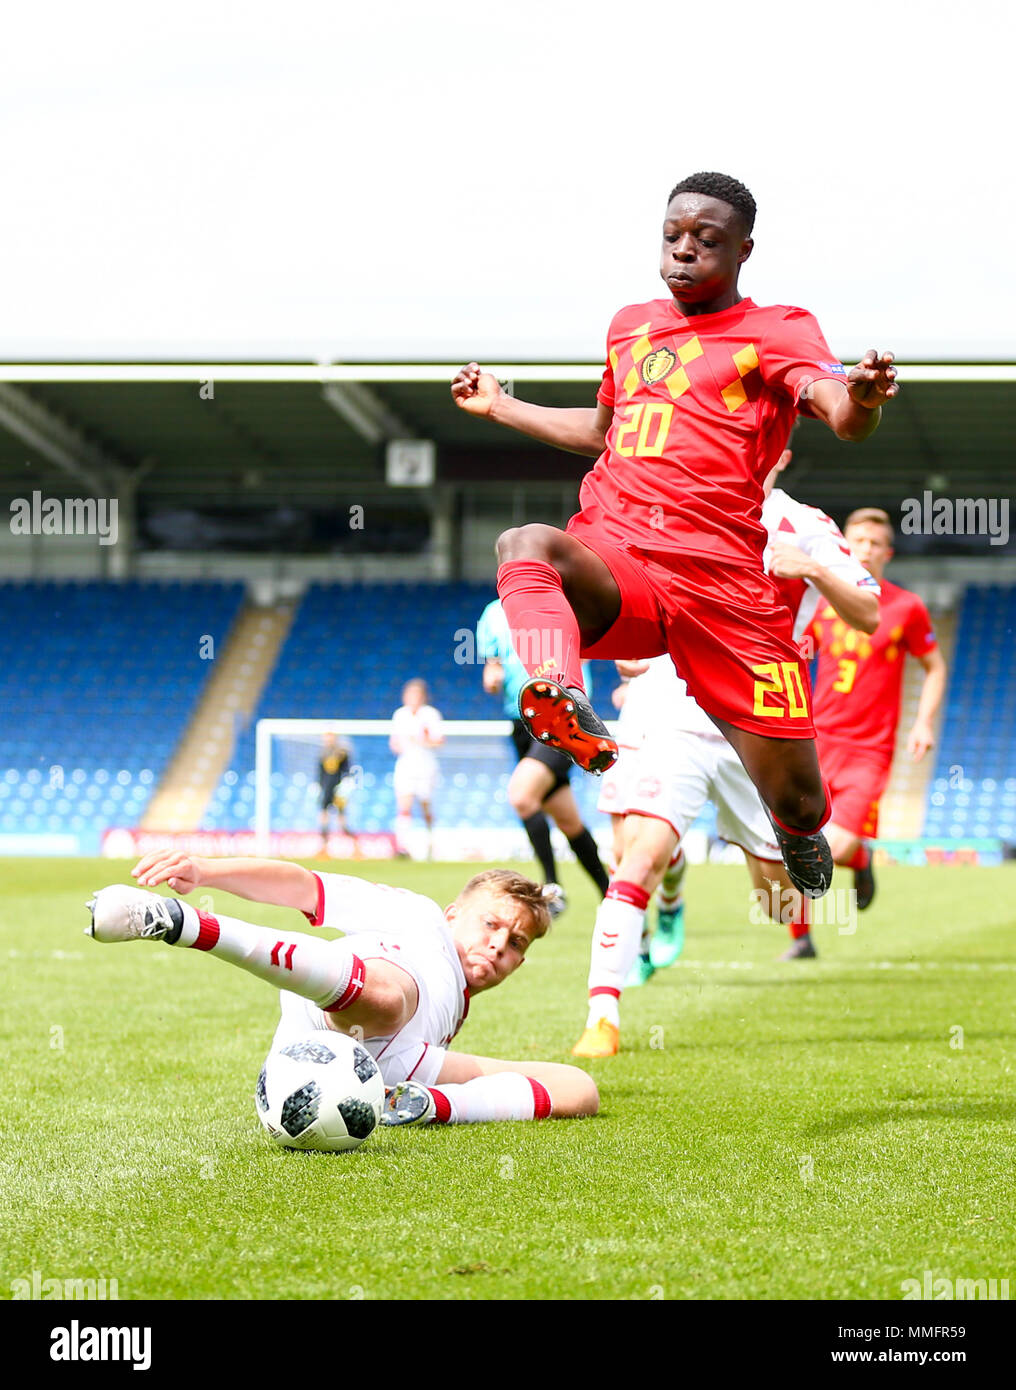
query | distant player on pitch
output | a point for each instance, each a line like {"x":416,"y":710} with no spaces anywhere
{"x":540,"y":785}
{"x":333,"y":769}
{"x":416,"y":733}
{"x":400,"y":979}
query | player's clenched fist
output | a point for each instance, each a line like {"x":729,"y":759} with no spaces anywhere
{"x":475,"y":391}
{"x":873,"y":381}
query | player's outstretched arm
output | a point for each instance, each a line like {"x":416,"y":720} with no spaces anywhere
{"x":493,"y":676}
{"x":856,"y":606}
{"x":921,"y":739}
{"x":259,"y":880}
{"x":576,"y":429}
{"x":853,"y":410}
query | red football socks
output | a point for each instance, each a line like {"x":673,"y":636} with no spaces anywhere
{"x":862,"y":858}
{"x":545,"y":633}
{"x":800,"y":926}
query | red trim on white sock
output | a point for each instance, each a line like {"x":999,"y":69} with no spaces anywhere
{"x":541,"y":1099}
{"x":622,"y":891}
{"x":605,"y":989}
{"x":353,"y":990}
{"x":443,"y":1107}
{"x":208,"y":932}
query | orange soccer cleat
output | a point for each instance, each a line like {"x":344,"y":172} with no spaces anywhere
{"x":603,"y":1039}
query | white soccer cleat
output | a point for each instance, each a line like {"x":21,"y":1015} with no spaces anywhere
{"x":408,"y":1103}
{"x":554,"y":897}
{"x":122,"y":913}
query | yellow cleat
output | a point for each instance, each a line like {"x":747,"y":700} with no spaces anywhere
{"x":602,"y":1040}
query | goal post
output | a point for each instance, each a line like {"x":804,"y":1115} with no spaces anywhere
{"x":472,"y":815}
{"x":474,"y":761}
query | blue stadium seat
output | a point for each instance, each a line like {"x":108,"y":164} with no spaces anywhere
{"x":975,"y":772}
{"x":94,"y":707}
{"x":349,"y":651}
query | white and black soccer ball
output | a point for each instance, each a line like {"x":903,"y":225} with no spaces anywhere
{"x":320,"y":1092}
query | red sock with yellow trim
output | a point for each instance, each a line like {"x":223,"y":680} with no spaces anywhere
{"x":545,"y":631}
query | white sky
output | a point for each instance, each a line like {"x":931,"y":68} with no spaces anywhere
{"x":442,"y":180}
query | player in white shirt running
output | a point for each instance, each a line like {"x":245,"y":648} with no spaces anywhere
{"x":416,"y":732}
{"x":681,"y":760}
{"x":399,"y":980}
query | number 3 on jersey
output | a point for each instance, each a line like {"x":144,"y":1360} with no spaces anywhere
{"x":780,"y":678}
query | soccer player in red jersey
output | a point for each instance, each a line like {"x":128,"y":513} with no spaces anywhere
{"x":696,"y":404}
{"x":857,"y":698}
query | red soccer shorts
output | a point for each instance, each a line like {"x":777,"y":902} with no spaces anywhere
{"x":857,"y":778}
{"x":728,"y":634}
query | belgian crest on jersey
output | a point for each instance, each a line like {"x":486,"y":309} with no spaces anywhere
{"x":657,"y":365}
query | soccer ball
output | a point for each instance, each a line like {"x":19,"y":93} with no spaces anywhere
{"x":320,"y":1092}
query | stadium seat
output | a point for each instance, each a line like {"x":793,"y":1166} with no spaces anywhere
{"x":92,"y":712}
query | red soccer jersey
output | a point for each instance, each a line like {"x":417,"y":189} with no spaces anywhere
{"x":702,"y":410}
{"x":860,"y":677}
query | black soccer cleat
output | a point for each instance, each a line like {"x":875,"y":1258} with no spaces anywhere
{"x":864,"y":885}
{"x":808,"y":860}
{"x":562,"y":717}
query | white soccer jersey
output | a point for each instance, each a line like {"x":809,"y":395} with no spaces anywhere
{"x":416,"y":768}
{"x":662,"y":702}
{"x":411,"y":932}
{"x":820,"y":538}
{"x":669,"y":776}
{"x":411,"y":727}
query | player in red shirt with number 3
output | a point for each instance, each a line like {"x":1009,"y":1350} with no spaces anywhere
{"x":697,"y":401}
{"x":858,"y":695}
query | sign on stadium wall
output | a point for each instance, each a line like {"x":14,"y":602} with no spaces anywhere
{"x":119,"y":843}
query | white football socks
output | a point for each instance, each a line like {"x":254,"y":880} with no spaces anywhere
{"x":403,"y":828}
{"x":669,"y":893}
{"x":616,"y":936}
{"x":507,"y":1095}
{"x":324,"y":971}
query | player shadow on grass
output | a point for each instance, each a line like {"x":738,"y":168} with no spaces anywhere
{"x":914,"y":1108}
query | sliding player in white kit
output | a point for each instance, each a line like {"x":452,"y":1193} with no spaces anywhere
{"x":399,"y":980}
{"x":416,"y":732}
{"x":677,"y":760}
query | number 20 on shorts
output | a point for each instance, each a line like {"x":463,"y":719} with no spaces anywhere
{"x":780,"y":678}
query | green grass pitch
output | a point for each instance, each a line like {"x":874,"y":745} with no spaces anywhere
{"x":822,"y":1129}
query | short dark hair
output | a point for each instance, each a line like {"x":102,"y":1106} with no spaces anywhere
{"x":723,"y":187}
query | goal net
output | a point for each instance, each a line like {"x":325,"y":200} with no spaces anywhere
{"x":472,"y":815}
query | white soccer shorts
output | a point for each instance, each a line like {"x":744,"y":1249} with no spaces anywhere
{"x":413,"y":778}
{"x":618,"y":781}
{"x":674,"y":776}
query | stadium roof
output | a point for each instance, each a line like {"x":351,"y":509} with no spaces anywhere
{"x":250,"y":444}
